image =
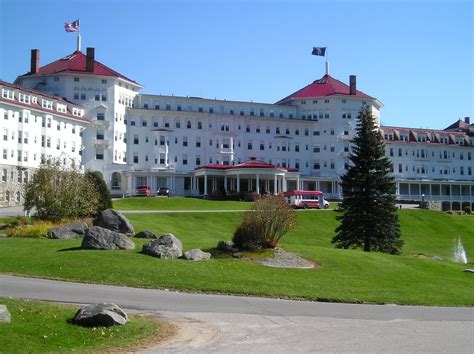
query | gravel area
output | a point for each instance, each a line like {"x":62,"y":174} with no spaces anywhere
{"x":283,"y":259}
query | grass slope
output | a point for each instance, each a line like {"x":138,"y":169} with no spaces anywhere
{"x":177,"y":203}
{"x":345,"y":275}
{"x":39,"y":327}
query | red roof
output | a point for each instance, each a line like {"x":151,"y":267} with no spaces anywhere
{"x":247,"y":164}
{"x":76,"y":63}
{"x":326,"y":86}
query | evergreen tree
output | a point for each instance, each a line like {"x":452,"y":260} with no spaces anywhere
{"x":105,"y":200}
{"x":369,"y":218}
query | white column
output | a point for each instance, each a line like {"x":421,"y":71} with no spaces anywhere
{"x":238,"y":183}
{"x":225,"y":183}
{"x":205,"y":183}
{"x":298,"y":187}
{"x":257,"y":181}
{"x":275,"y":185}
{"x":166,"y":152}
{"x":284,"y":184}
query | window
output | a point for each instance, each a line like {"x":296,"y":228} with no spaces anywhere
{"x":144,"y":123}
{"x":76,"y":79}
{"x":99,"y":154}
{"x":249,"y":145}
{"x":104,"y":81}
{"x":83,"y":96}
{"x":185,"y":141}
{"x":76,"y":96}
{"x":47,"y":104}
{"x":97,"y":97}
{"x":136,"y":139}
{"x":198,"y":141}
{"x":104,"y":98}
{"x":135,"y":157}
{"x":188,"y":124}
{"x":199,"y":125}
{"x":100,"y":116}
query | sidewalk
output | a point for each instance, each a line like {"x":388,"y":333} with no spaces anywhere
{"x":11,"y":211}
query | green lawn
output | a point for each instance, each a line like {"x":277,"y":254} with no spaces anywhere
{"x":344,"y":275}
{"x":177,"y":203}
{"x":39,"y":327}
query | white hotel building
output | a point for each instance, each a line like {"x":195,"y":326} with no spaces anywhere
{"x":198,"y":146}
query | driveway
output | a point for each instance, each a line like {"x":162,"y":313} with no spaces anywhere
{"x":250,"y":324}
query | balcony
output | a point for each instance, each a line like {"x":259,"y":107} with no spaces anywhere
{"x":162,"y":167}
{"x":100,"y":143}
{"x":226,"y":151}
{"x":101,"y":124}
{"x":344,"y":137}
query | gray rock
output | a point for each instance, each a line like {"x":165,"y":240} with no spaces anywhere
{"x":146,"y":234}
{"x":96,"y":315}
{"x":5,"y":316}
{"x":468,"y":270}
{"x":113,"y":220}
{"x":166,"y":247}
{"x":68,"y":231}
{"x":437,"y":258}
{"x":99,"y":238}
{"x":227,"y":246}
{"x":197,"y":255}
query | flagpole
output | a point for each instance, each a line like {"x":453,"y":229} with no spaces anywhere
{"x":327,"y":62}
{"x":79,"y":36}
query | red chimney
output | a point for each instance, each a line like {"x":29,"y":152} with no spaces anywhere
{"x":35,"y":61}
{"x":352,"y":85}
{"x":90,"y":60}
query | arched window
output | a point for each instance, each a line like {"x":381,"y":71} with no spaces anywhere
{"x":116,"y":180}
{"x":7,"y":196}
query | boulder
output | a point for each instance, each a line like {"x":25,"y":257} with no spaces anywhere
{"x":5,"y":316}
{"x":103,"y":315}
{"x":197,"y":255}
{"x":146,"y":234}
{"x":227,"y":246}
{"x":99,"y":238}
{"x":166,"y":247}
{"x":113,"y":220}
{"x":437,"y":258}
{"x":68,"y":231}
{"x":468,"y":270}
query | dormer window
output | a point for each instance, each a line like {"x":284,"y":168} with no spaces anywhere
{"x":8,"y":94}
{"x":24,"y":98}
{"x":61,"y":107}
{"x":47,"y":104}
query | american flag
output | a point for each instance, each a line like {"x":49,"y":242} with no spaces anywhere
{"x":72,"y":26}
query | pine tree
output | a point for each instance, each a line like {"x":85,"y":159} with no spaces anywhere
{"x":369,"y":218}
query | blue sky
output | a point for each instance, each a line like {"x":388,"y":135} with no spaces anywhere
{"x":416,"y":57}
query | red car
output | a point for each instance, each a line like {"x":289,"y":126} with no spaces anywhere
{"x":144,"y":191}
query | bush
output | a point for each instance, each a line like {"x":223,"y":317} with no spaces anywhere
{"x":60,"y":192}
{"x":467,"y":210}
{"x":105,"y":200}
{"x":38,"y":229}
{"x":264,"y":224}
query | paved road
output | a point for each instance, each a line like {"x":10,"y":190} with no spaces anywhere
{"x":247,"y":324}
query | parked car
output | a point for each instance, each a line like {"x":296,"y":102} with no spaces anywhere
{"x":165,"y":191}
{"x":144,"y":191}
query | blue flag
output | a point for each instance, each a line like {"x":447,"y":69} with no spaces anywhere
{"x":320,"y":51}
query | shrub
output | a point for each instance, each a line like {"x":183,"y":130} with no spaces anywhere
{"x":60,"y":192}
{"x":105,"y":200}
{"x":37,"y":229}
{"x":264,"y":224}
{"x":467,"y":210}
